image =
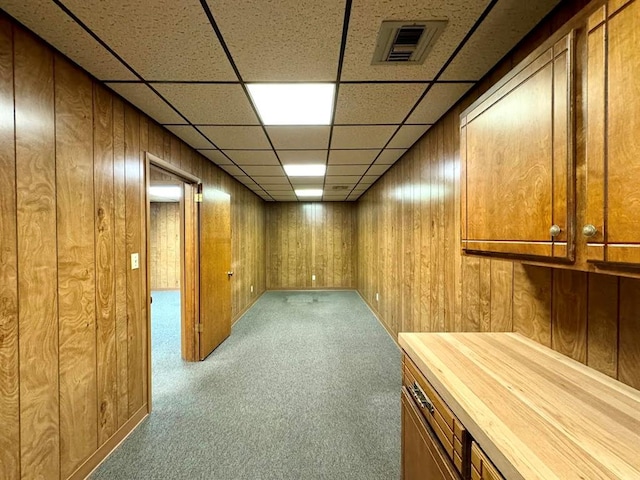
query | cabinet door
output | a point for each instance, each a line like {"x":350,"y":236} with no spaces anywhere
{"x":517,"y":161}
{"x":422,"y":455}
{"x":613,"y":134}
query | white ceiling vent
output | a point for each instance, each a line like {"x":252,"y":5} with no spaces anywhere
{"x":339,"y":187}
{"x":406,"y":42}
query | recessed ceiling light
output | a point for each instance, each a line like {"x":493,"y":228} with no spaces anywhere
{"x":309,"y":192}
{"x":293,"y":103}
{"x":312,"y":170}
{"x":168,"y":192}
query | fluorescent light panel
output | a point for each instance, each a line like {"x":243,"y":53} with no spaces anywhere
{"x":167,"y":191}
{"x":311,"y":170}
{"x":309,"y":192}
{"x":293,"y":103}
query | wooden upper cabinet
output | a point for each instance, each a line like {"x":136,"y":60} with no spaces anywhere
{"x":612,"y":222}
{"x":517,"y":160}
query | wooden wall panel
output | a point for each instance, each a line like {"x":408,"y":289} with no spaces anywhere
{"x":72,"y":210}
{"x":37,"y":266}
{"x":9,"y":374}
{"x":311,"y":238}
{"x":164,"y":242}
{"x":590,"y":317}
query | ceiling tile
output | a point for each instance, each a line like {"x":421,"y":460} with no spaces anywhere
{"x":289,"y":197}
{"x":389,"y":156}
{"x":307,"y":182}
{"x":507,"y":23}
{"x":146,"y":100}
{"x":376,"y":102}
{"x":264,"y":181}
{"x":339,"y":189}
{"x":246,"y":180}
{"x":160,"y":39}
{"x":296,"y":40}
{"x":346,"y":169}
{"x":378,"y":169}
{"x":334,"y":198}
{"x":302,"y":157}
{"x":190,"y":135}
{"x":253,"y":157}
{"x":361,"y":136}
{"x":369,"y":179}
{"x":216,"y":156}
{"x":209,"y":103}
{"x":263,"y":170}
{"x":441,"y":97}
{"x":56,"y":27}
{"x":275,"y":188}
{"x":299,"y":137}
{"x":342,"y":179}
{"x":408,"y":135}
{"x":352,"y":157}
{"x":237,"y":138}
{"x":232,"y":170}
{"x":366,"y":17}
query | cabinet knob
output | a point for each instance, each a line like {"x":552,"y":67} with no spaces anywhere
{"x":589,"y":230}
{"x":555,"y":230}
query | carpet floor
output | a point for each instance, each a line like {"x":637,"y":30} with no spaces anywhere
{"x":306,"y":387}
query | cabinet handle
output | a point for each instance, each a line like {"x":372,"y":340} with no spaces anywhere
{"x":589,"y":230}
{"x":229,"y":274}
{"x":555,"y":230}
{"x":421,"y":398}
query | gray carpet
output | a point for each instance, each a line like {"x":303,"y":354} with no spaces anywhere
{"x":306,"y":387}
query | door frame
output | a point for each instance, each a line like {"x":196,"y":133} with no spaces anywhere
{"x":189,"y":260}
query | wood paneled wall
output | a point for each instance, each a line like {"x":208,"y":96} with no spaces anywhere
{"x":73,"y":329}
{"x":164,"y":244}
{"x":409,"y":254}
{"x":311,"y":238}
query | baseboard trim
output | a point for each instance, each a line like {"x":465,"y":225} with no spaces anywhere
{"x":102,"y":453}
{"x":375,"y":314}
{"x":245,"y":309}
{"x":307,"y":289}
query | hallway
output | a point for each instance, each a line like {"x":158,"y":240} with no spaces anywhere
{"x":306,"y":387}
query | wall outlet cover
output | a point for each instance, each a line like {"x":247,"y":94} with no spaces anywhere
{"x":135,"y":261}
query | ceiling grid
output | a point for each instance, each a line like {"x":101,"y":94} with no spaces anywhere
{"x":188,"y":64}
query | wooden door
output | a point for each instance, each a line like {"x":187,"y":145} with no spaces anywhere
{"x":517,"y":160}
{"x":612,"y":224}
{"x":422,"y":455}
{"x":215,"y":270}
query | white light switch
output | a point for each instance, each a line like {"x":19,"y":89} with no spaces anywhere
{"x":135,"y":261}
{"x":313,"y":278}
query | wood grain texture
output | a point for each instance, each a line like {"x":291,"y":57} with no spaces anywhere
{"x":37,"y":266}
{"x":629,"y":339}
{"x":165,"y":246}
{"x":569,"y":321}
{"x":103,"y":151}
{"x":537,"y":414}
{"x":602,"y":334}
{"x":76,"y":265}
{"x":9,"y":366}
{"x":308,"y":239}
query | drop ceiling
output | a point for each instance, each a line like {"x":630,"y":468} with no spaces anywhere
{"x":187,"y":63}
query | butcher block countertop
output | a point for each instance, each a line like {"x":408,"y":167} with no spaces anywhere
{"x":536,"y":413}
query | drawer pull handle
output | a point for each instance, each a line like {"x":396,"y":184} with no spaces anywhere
{"x":421,"y":398}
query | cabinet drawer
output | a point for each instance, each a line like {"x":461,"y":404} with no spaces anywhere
{"x":448,"y":429}
{"x":481,"y":466}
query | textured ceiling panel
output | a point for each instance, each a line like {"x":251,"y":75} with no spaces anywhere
{"x":378,"y":169}
{"x":52,"y":24}
{"x":307,"y":182}
{"x":376,"y":102}
{"x":237,"y":138}
{"x":263,"y":170}
{"x":160,"y":39}
{"x":507,"y":24}
{"x":366,"y":17}
{"x":210,"y":103}
{"x":438,"y":101}
{"x":352,"y":157}
{"x":346,"y":169}
{"x":232,"y":170}
{"x":216,"y":156}
{"x":265,"y":181}
{"x":361,"y":137}
{"x":299,"y":137}
{"x":389,"y":156}
{"x":146,"y":100}
{"x":191,"y":136}
{"x":296,"y":39}
{"x":253,"y":157}
{"x":340,"y":179}
{"x":277,"y":187}
{"x":408,"y":135}
{"x":302,"y":157}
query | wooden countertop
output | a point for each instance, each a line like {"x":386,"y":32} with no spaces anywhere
{"x":535,"y":412}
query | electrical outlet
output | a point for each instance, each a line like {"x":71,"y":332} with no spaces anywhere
{"x":251,"y":288}
{"x":377,"y":297}
{"x":135,"y":261}
{"x":313,"y":278}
